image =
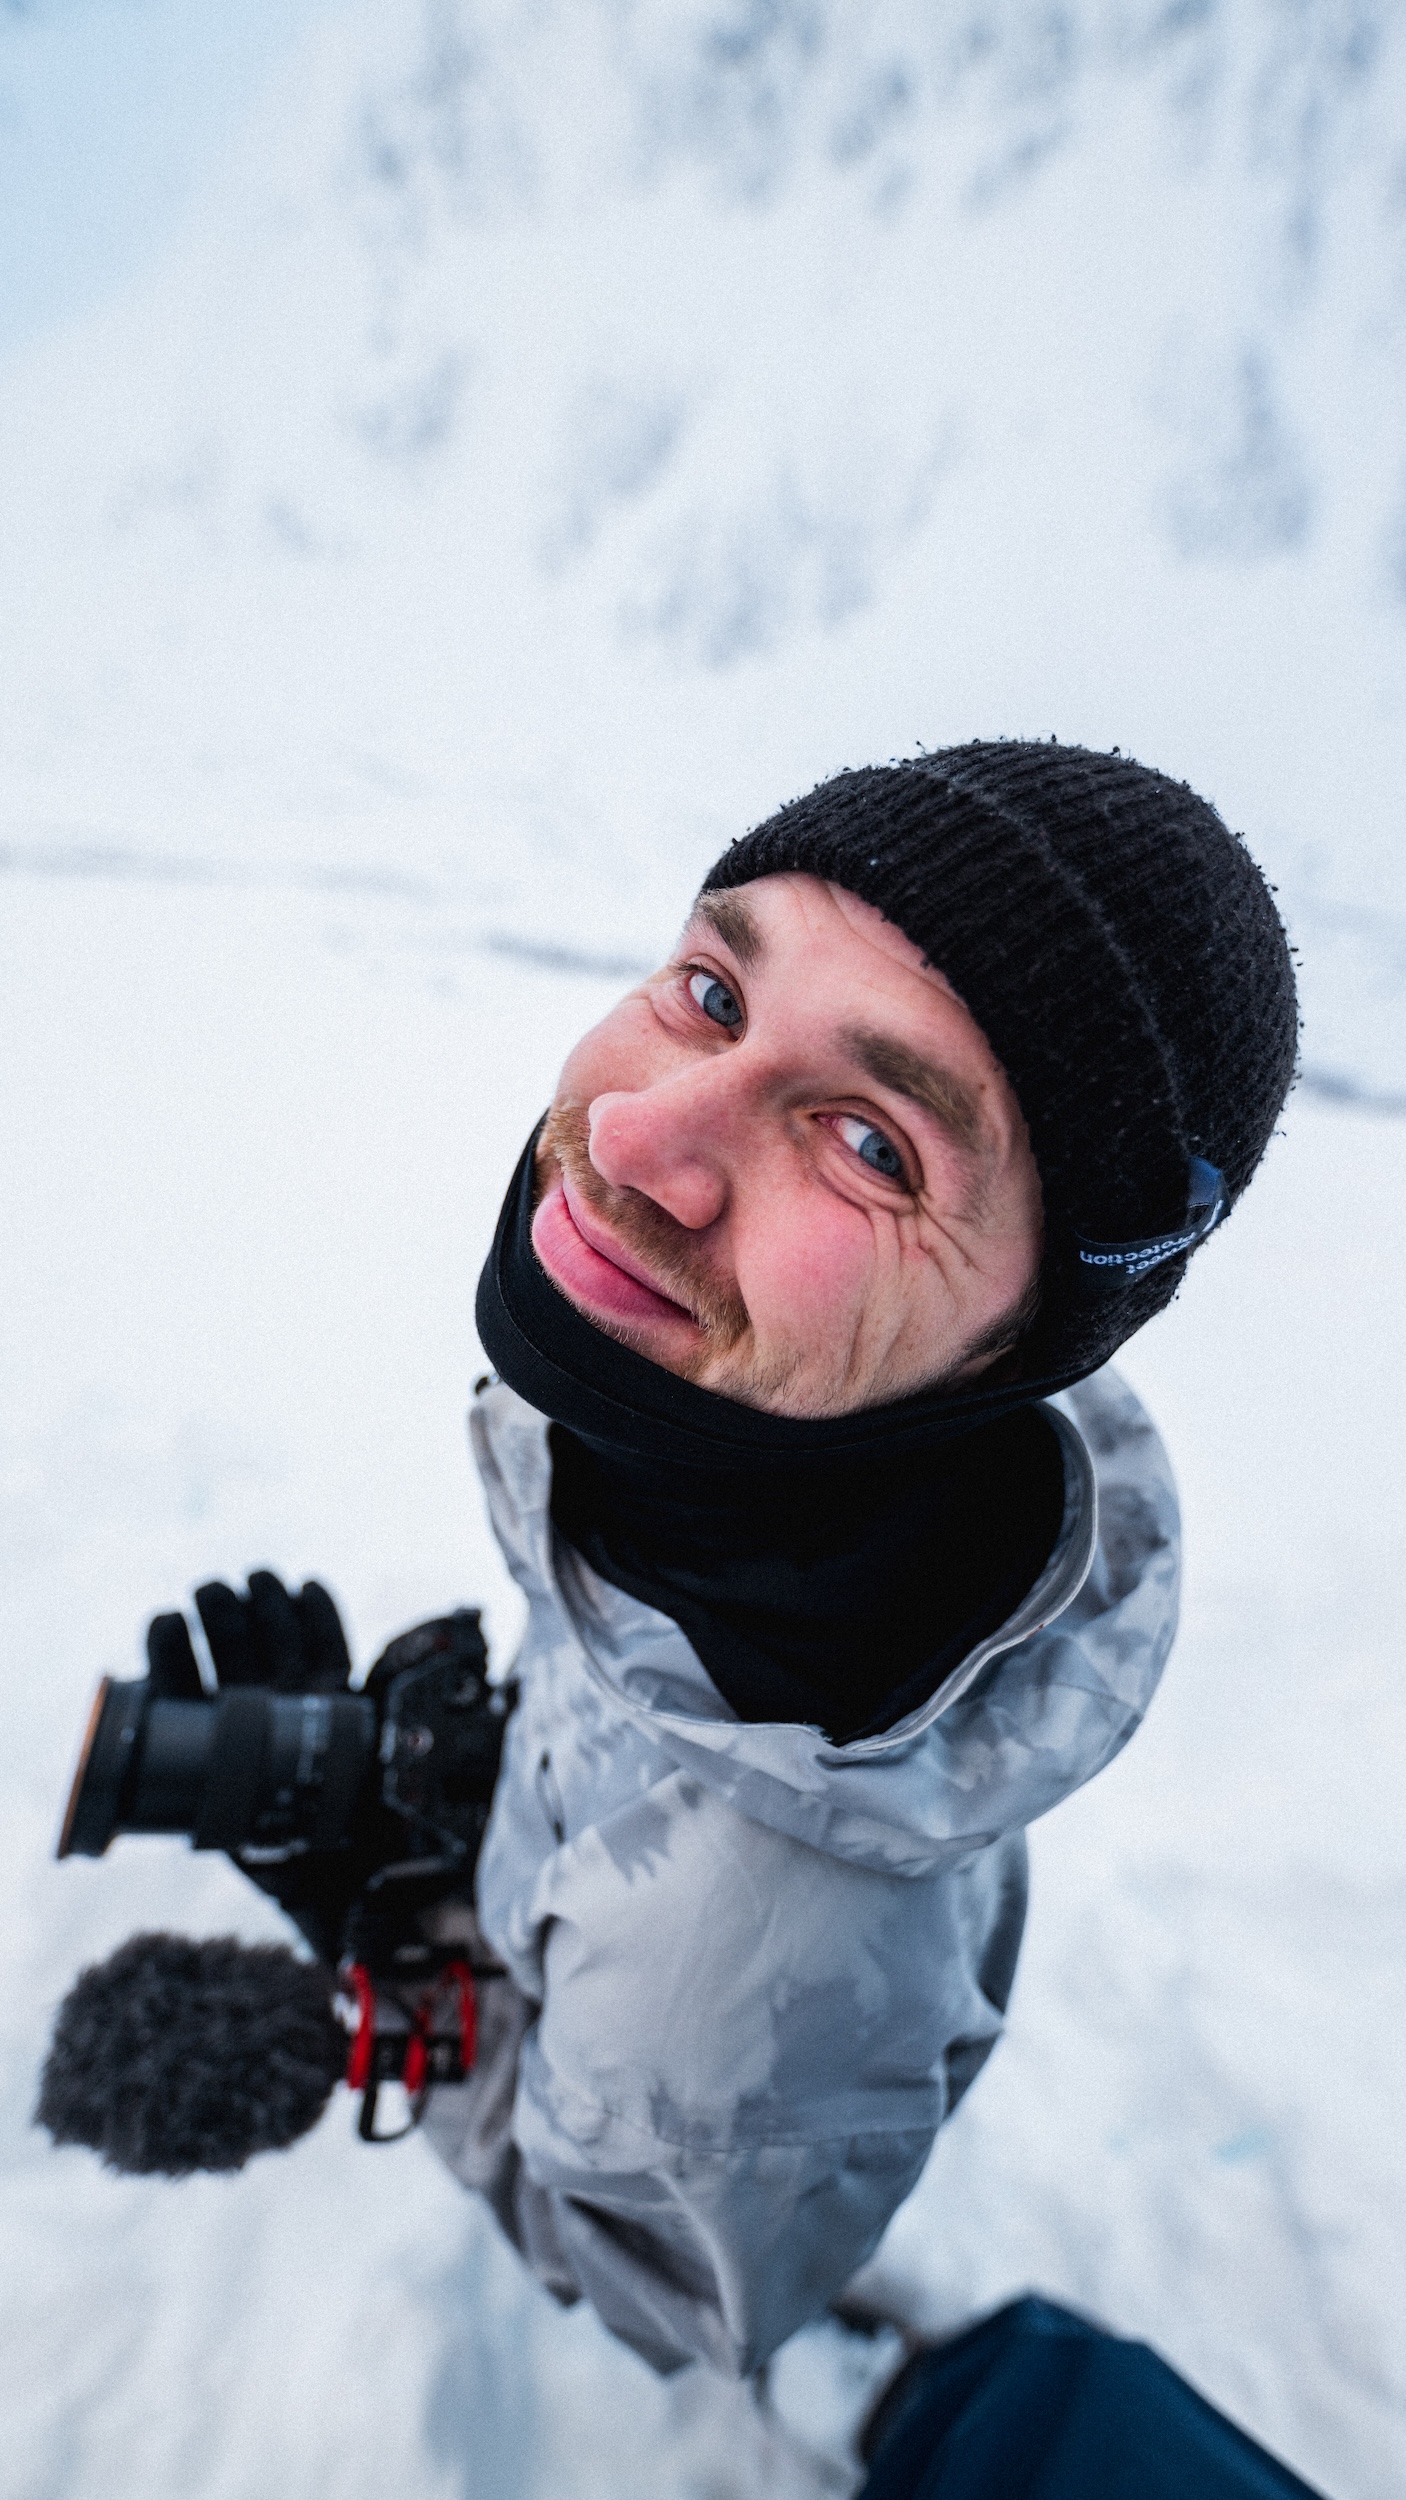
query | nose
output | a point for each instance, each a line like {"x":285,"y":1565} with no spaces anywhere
{"x":672,"y":1141}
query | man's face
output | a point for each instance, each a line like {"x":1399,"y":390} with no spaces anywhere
{"x":789,"y":1167}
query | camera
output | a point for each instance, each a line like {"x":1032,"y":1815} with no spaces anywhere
{"x":358,"y":1810}
{"x":402,"y":1771}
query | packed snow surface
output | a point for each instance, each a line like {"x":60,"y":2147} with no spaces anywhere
{"x":557,"y":433}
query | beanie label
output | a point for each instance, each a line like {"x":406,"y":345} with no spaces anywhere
{"x":1123,"y":1262}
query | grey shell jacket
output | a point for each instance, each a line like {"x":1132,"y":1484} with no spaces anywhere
{"x":749,"y":1972}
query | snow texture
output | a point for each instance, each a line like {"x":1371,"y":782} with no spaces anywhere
{"x":558,"y":431}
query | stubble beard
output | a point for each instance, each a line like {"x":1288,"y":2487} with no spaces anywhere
{"x":668,"y":1252}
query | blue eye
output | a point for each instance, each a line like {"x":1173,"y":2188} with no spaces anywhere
{"x":715,"y":998}
{"x":872,"y":1147}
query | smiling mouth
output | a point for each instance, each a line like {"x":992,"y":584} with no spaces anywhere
{"x":607,"y":1282}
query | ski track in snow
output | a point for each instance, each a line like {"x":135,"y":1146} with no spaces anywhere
{"x":488,"y":506}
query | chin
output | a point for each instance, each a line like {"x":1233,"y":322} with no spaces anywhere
{"x":774,"y":1385}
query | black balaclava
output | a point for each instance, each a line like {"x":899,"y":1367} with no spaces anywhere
{"x":1121,"y":952}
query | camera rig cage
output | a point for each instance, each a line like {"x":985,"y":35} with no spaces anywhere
{"x":358,"y":1811}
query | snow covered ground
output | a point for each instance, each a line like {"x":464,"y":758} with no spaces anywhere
{"x":555,"y":434}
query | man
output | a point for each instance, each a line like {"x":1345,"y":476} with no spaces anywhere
{"x":845,"y":1555}
{"x":845,"y":1558}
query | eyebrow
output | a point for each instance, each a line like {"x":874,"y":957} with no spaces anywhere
{"x":730,"y":919}
{"x":956,"y":1105}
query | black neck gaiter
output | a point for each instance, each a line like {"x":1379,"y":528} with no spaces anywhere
{"x":830,"y":1572}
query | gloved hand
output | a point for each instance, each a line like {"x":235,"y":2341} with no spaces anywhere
{"x":291,"y":1640}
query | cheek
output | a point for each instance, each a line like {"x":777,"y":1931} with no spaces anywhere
{"x":807,"y":1255}
{"x":614,"y":1057}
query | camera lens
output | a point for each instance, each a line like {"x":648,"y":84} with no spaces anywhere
{"x":253,"y":1769}
{"x":105,"y":1763}
{"x":173,"y":1757}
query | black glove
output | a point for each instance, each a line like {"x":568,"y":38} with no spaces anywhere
{"x":291,"y":1640}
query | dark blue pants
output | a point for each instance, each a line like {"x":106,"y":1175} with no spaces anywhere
{"x":1034,"y":2404}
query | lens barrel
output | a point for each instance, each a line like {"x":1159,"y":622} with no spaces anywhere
{"x":252,"y":1769}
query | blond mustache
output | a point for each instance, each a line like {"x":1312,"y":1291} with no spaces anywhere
{"x":666,"y":1249}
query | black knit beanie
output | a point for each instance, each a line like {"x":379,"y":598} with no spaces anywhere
{"x":1123,"y":956}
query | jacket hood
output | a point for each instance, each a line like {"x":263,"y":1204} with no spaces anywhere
{"x":1030,"y":1715}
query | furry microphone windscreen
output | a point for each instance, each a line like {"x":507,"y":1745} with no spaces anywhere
{"x":180,"y":2054}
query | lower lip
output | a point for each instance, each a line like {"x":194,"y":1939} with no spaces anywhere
{"x":584,"y":1276}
